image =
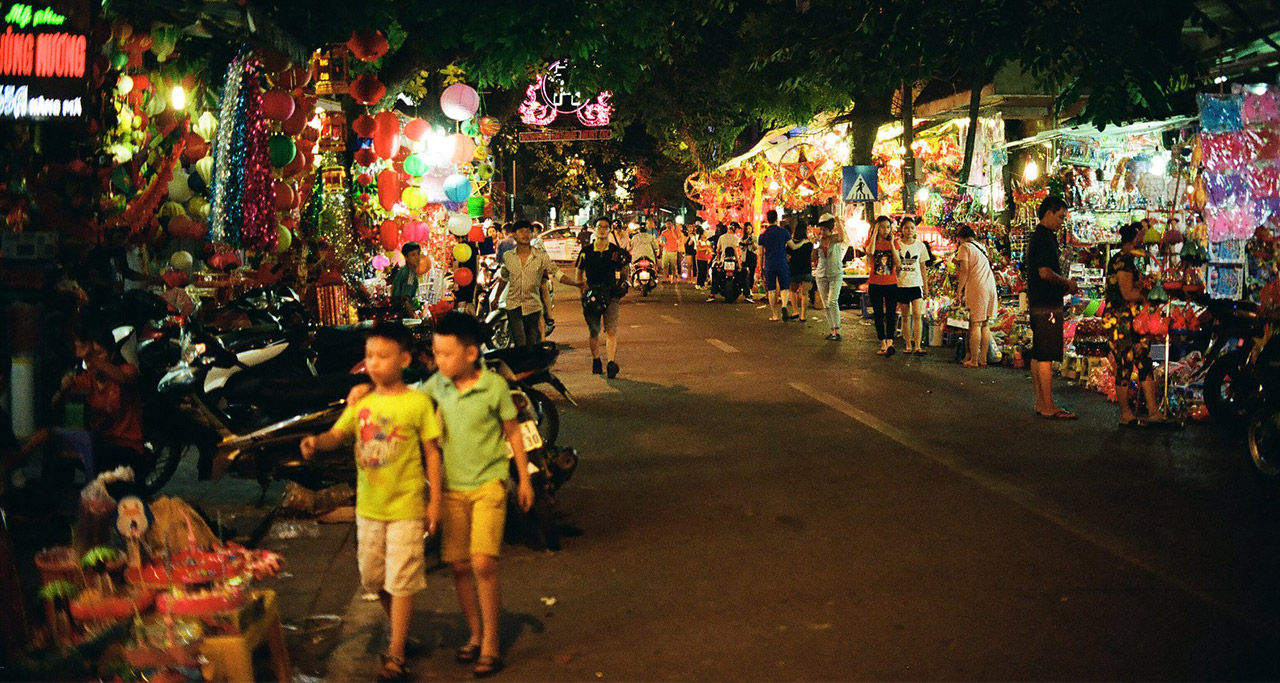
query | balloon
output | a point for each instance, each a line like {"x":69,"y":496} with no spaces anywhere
{"x":416,"y":129}
{"x":277,"y":105}
{"x":206,"y":125}
{"x":367,"y":46}
{"x":457,"y":188}
{"x":179,"y":190}
{"x":388,"y":188}
{"x":284,"y":195}
{"x":475,"y":206}
{"x":205,"y":168}
{"x":459,"y":101}
{"x":282,"y":150}
{"x":364,"y":126}
{"x":462,"y":253}
{"x":389,"y":234}
{"x":462,"y":277}
{"x":489,"y":126}
{"x":284,"y":238}
{"x":181,"y":260}
{"x":459,"y":224}
{"x":415,"y":165}
{"x":464,"y":148}
{"x":414,"y":198}
{"x":367,"y":89}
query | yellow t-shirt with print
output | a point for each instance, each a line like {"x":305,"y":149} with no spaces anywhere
{"x":391,"y":480}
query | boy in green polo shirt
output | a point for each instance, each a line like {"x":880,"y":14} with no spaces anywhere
{"x":393,"y":427}
{"x":479,"y":420}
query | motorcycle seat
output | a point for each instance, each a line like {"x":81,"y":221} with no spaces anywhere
{"x":291,"y":394}
{"x":249,"y":337}
{"x":524,"y":359}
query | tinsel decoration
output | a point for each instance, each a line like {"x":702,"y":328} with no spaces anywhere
{"x":336,"y":230}
{"x":243,"y":187}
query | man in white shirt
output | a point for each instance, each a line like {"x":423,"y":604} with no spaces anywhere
{"x":643,"y":245}
{"x":521,"y":276}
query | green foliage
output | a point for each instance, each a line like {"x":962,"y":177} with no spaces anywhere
{"x":58,"y":590}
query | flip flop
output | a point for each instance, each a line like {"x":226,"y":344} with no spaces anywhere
{"x":881,"y":352}
{"x":467,"y":653}
{"x":487,"y":666}
{"x":1062,"y":414}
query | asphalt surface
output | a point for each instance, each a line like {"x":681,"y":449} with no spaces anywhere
{"x":757,"y":503}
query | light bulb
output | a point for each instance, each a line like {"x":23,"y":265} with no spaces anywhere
{"x":178,"y":97}
{"x":1031,"y":171}
{"x":922,"y":195}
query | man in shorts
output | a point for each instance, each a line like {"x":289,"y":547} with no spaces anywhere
{"x":602,"y":267}
{"x":672,"y":242}
{"x":777,"y":274}
{"x":1046,"y":287}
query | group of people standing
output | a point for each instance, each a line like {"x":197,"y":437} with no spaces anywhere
{"x":896,"y":280}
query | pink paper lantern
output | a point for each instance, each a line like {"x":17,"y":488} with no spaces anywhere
{"x":464,"y":148}
{"x":459,"y":101}
{"x":416,"y":129}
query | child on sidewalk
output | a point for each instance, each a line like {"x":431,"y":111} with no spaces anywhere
{"x":478,"y":415}
{"x":393,"y":427}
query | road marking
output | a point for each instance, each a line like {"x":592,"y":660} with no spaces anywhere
{"x":721,"y":345}
{"x":1025,"y":499}
{"x":668,"y":319}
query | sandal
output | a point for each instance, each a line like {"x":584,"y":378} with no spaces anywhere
{"x":880,"y":352}
{"x":487,"y":666}
{"x":921,"y":352}
{"x":393,"y":669}
{"x":467,"y":653}
{"x":969,"y":364}
{"x":1062,"y":414}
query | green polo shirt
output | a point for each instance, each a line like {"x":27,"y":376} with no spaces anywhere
{"x":473,"y":443}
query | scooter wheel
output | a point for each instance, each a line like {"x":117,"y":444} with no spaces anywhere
{"x":1264,"y":442}
{"x":164,"y":460}
{"x":548,"y":416}
{"x":544,"y":512}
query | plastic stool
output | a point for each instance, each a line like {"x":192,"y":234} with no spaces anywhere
{"x":231,"y":657}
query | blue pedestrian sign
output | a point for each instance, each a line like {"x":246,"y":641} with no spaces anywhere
{"x":861,"y":184}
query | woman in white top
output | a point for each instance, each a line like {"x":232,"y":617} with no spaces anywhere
{"x":977,"y":281}
{"x":912,"y":256}
{"x":828,"y":271}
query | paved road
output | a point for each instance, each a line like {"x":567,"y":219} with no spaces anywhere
{"x":757,"y":503}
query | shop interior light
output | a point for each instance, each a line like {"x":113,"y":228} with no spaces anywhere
{"x":1031,"y":171}
{"x":922,"y":195}
{"x":178,"y":97}
{"x":680,"y":219}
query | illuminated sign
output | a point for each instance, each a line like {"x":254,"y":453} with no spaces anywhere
{"x":43,"y":59}
{"x":565,"y":135}
{"x":548,"y":98}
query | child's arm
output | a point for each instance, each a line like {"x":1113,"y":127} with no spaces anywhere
{"x":327,"y":441}
{"x":524,"y":491}
{"x":435,"y":482}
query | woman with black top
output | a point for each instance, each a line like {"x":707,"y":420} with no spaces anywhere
{"x":750,"y":259}
{"x":800,"y":263}
{"x":689,"y":269}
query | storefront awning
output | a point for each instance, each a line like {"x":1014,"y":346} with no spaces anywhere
{"x":1142,"y":128}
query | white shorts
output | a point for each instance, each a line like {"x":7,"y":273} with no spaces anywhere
{"x":391,"y":555}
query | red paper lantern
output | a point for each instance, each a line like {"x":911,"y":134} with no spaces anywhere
{"x":386,"y":122}
{"x":388,"y":188}
{"x":463,"y":277}
{"x":476,"y":234}
{"x":389,"y":235}
{"x":364,"y":179}
{"x":367,"y":89}
{"x":386,"y":144}
{"x":293,"y":77}
{"x":368,"y":46}
{"x":365,"y":156}
{"x":277,"y":105}
{"x":364,"y":126}
{"x":414,"y":130}
{"x":284,"y":195}
{"x":297,"y":123}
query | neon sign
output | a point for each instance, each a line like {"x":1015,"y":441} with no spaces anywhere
{"x":43,"y":64}
{"x":548,"y":98}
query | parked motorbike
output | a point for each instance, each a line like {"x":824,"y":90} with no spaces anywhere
{"x":528,"y":367}
{"x":1231,"y":380}
{"x":643,"y":275}
{"x":549,"y":468}
{"x":728,"y":277}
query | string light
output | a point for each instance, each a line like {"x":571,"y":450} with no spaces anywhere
{"x":178,"y":97}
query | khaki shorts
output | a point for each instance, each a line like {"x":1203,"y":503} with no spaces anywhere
{"x":390,"y":555}
{"x":473,"y":522}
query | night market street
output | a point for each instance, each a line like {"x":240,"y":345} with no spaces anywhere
{"x":756,"y":503}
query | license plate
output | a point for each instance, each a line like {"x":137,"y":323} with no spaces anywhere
{"x":531,"y":437}
{"x":730,"y":265}
{"x":644,"y":277}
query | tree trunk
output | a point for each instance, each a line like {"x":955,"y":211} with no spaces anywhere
{"x":869,"y":113}
{"x":975,"y":103}
{"x":909,"y":157}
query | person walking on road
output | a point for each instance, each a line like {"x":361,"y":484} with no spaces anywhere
{"x":671,"y":245}
{"x":689,"y":246}
{"x":704,"y":252}
{"x":800,"y":267}
{"x":523,"y":272}
{"x":913,"y":288}
{"x":1046,"y":287}
{"x":602,"y":268}
{"x":777,"y":274}
{"x":977,"y":286}
{"x":750,"y":260}
{"x":829,"y":273}
{"x":882,"y":284}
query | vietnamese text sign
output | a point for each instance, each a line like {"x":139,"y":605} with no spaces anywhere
{"x":861,"y":184}
{"x":43,"y":59}
{"x":565,"y":135}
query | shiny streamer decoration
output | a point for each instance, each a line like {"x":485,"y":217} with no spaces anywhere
{"x":223,"y":149}
{"x":243,"y":188}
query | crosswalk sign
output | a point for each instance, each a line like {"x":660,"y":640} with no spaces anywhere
{"x":861,"y":184}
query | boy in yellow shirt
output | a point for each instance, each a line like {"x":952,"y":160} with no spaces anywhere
{"x":393,"y":427}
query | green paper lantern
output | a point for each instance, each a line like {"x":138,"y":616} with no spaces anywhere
{"x":119,"y":60}
{"x":470,"y":128}
{"x":282,"y":150}
{"x":475,"y":206}
{"x":416,"y":165}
